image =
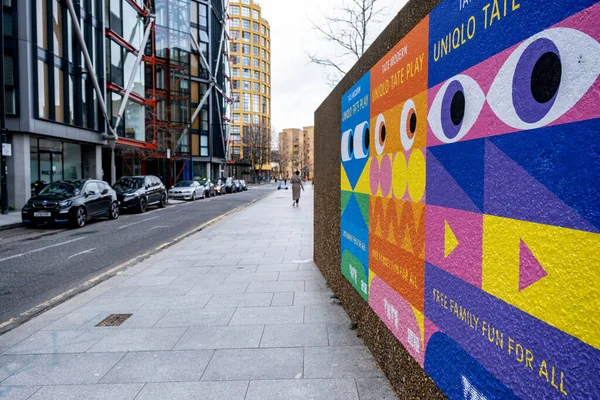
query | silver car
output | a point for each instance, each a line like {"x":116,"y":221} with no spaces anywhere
{"x":187,"y":190}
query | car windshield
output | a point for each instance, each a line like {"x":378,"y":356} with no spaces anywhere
{"x":129,"y":183}
{"x":202,"y":181}
{"x":63,"y":189}
{"x":184,"y":184}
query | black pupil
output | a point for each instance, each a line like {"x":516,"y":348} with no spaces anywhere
{"x":545,"y":78}
{"x":367,"y":139}
{"x":351,"y":144}
{"x":457,"y":108}
{"x":413,"y":123}
{"x":382,"y":134}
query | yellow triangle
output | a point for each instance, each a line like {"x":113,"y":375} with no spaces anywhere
{"x":363,"y":185}
{"x":450,"y":241}
{"x":406,"y":245}
{"x":345,"y":181}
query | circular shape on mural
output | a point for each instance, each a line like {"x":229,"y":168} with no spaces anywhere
{"x":360,"y":132}
{"x":345,"y":148}
{"x":536,"y":80}
{"x":374,"y":175}
{"x":416,"y":175}
{"x":453,"y":109}
{"x":385,"y":175}
{"x":351,"y":145}
{"x":408,"y":124}
{"x":380,"y":134}
{"x":367,"y":140}
{"x":399,"y":175}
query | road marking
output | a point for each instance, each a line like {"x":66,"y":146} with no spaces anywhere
{"x":83,"y":252}
{"x":40,"y":249}
{"x":158,"y":227}
{"x":135,"y":223}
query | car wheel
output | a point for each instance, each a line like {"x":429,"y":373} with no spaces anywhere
{"x":163,"y":201}
{"x":143,"y":205}
{"x":113,"y":213}
{"x":80,"y":218}
{"x":194,"y":196}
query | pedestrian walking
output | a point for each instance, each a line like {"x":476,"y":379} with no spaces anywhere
{"x":296,"y":182}
{"x":285,"y":182}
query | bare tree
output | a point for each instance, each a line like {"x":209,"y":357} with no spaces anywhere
{"x":256,"y":140}
{"x":348,"y":29}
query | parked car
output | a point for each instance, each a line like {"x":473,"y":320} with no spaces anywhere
{"x":139,"y":192}
{"x":187,"y":190}
{"x":71,"y":201}
{"x":209,"y":187}
{"x":244,"y":185}
{"x":219,"y":186}
{"x":229,"y":186}
{"x":238,"y":185}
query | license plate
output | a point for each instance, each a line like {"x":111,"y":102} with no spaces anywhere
{"x":42,"y":214}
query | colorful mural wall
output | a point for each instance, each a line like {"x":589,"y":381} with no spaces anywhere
{"x":470,"y":164}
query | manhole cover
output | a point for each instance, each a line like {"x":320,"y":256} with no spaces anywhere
{"x":114,"y":320}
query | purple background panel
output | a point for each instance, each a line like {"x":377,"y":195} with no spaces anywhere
{"x":574,"y":363}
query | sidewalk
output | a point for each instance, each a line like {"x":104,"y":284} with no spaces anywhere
{"x":9,"y":221}
{"x":237,"y":311}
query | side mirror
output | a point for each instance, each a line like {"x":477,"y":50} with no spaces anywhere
{"x":90,"y":193}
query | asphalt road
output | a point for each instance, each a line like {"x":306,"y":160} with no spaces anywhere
{"x":38,"y":264}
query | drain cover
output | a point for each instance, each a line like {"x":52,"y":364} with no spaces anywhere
{"x":114,"y":320}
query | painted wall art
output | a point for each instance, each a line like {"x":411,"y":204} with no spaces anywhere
{"x":470,"y":187}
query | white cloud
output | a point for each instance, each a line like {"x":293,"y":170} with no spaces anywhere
{"x":298,"y":87}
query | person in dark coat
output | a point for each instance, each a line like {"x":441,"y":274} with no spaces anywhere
{"x":296,"y":182}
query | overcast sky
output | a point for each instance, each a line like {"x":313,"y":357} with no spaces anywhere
{"x":298,"y":87}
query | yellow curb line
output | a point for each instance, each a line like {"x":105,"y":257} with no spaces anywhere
{"x":66,"y":295}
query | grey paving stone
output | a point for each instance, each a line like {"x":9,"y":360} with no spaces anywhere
{"x":252,"y":276}
{"x":233,"y":268}
{"x":162,"y":291}
{"x":208,"y":279}
{"x":204,"y":317}
{"x":325,"y":313}
{"x":221,"y":337}
{"x":277,"y":267}
{"x":240,"y":300}
{"x":140,"y":319}
{"x":215,"y":263}
{"x":342,"y":335}
{"x":300,"y":389}
{"x":161,"y":366}
{"x":313,"y":286}
{"x":47,"y":342}
{"x":185,"y":271}
{"x":74,"y":320}
{"x":274,"y":287}
{"x":152,"y":271}
{"x":295,"y":335}
{"x":65,"y":369}
{"x":17,"y":392}
{"x":254,"y":364}
{"x":88,"y":392}
{"x":311,"y":298}
{"x":194,"y":391}
{"x":301,"y":276}
{"x":120,"y":305}
{"x":177,"y":302}
{"x":282,"y":299}
{"x":268,"y":315}
{"x":10,"y":364}
{"x":375,"y":389}
{"x":143,"y":339}
{"x":22,"y":332}
{"x":119,"y":291}
{"x":149,"y":281}
{"x":339,"y":362}
{"x":218,"y":288}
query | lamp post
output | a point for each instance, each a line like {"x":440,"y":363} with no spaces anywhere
{"x":3,"y":138}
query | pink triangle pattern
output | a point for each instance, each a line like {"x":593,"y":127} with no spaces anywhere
{"x":530,"y":269}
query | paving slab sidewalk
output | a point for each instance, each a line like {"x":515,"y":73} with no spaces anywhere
{"x":237,"y":311}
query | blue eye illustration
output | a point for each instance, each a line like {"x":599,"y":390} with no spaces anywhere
{"x":455,"y":108}
{"x":544,"y":78}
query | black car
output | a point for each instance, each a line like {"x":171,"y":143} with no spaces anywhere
{"x":71,"y":201}
{"x":229,"y":186}
{"x":140,"y":192}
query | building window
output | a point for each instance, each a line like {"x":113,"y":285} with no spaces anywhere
{"x":255,"y":14}
{"x":236,"y":118}
{"x":246,"y":61}
{"x":255,"y":51}
{"x":246,"y":118}
{"x":235,"y":60}
{"x":235,"y":23}
{"x":235,"y":35}
{"x":57,"y":28}
{"x":203,"y":16}
{"x":245,"y":12}
{"x":256,"y":62}
{"x":43,"y":91}
{"x":235,"y":72}
{"x":235,"y":10}
{"x":255,"y":39}
{"x":255,"y":103}
{"x":246,"y":85}
{"x":256,"y":75}
{"x":236,"y":84}
{"x":59,"y":95}
{"x":246,"y":48}
{"x":256,"y":87}
{"x":41,"y":25}
{"x":246,"y":73}
{"x":255,"y":27}
{"x":203,"y":146}
{"x":235,"y":48}
{"x":246,"y":101}
{"x":245,"y":24}
{"x":246,"y":36}
{"x":262,"y":29}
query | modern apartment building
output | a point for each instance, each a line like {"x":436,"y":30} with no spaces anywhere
{"x":157,"y":67}
{"x":251,"y":79}
{"x":296,"y":152}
